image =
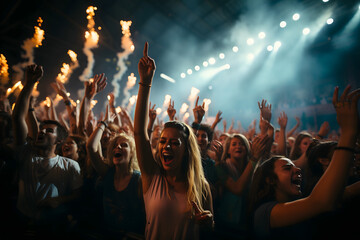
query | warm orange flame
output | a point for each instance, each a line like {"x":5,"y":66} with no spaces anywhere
{"x":4,"y":67}
{"x":92,"y":37}
{"x":65,"y":70}
{"x":125,"y":26}
{"x":72,"y":55}
{"x":39,"y":34}
{"x":131,"y":81}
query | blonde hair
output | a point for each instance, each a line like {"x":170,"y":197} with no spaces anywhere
{"x":227,"y":145}
{"x":133,"y":163}
{"x":197,"y":186}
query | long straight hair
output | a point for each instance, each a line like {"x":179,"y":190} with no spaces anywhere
{"x":197,"y":186}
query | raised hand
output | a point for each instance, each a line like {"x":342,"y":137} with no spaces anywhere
{"x":60,"y":89}
{"x":282,"y":120}
{"x":258,"y":146}
{"x":146,"y":67}
{"x":347,"y":114}
{"x":152,"y":113}
{"x":265,"y":110}
{"x":33,"y":73}
{"x":199,"y":111}
{"x":324,"y":129}
{"x":218,"y":117}
{"x":92,"y":88}
{"x":171,"y":111}
{"x":218,"y":148}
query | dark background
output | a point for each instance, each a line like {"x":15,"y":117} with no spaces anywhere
{"x":184,"y":33}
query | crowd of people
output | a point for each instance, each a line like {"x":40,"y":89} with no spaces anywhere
{"x":118,"y":177}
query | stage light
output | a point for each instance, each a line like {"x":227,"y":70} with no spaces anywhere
{"x":250,"y":41}
{"x":261,"y":35}
{"x":269,"y":48}
{"x":282,"y":24}
{"x":296,"y":17}
{"x":166,"y":77}
{"x":189,"y":71}
{"x":227,"y":66}
{"x":325,"y":1}
{"x":221,"y":56}
{"x":329,"y":21}
{"x":210,"y":87}
{"x":306,"y":31}
{"x":197,"y":68}
{"x":205,"y":63}
{"x":277,"y":45}
{"x":182,"y":75}
{"x":250,"y":57}
{"x":212,"y":60}
{"x":235,"y":49}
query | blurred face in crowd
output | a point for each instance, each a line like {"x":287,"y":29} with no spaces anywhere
{"x":70,"y":149}
{"x":305,"y":142}
{"x":203,"y":140}
{"x":237,"y":149}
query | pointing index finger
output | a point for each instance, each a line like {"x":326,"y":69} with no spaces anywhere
{"x":146,"y":49}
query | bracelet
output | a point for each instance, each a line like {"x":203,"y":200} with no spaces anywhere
{"x":352,"y":150}
{"x":321,"y":137}
{"x":67,"y":102}
{"x":31,"y":109}
{"x":144,"y":85}
{"x":105,"y":124}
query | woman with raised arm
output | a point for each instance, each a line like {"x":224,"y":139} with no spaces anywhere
{"x":278,"y":210}
{"x":123,"y":206}
{"x":177,"y":197}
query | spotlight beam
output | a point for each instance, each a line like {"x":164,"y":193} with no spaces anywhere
{"x":166,"y":77}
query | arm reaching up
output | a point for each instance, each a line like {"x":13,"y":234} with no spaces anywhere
{"x":148,"y":166}
{"x":33,"y":74}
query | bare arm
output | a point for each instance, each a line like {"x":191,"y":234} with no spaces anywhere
{"x":91,"y":89}
{"x":31,"y":121}
{"x":218,"y":119}
{"x":33,"y":74}
{"x":146,"y":68}
{"x":281,"y":148}
{"x":291,"y":132}
{"x":329,"y":189}
{"x":93,"y":147}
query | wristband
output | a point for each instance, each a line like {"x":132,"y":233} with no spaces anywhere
{"x":105,"y":124}
{"x":144,"y":85}
{"x":31,"y":109}
{"x":352,"y":150}
{"x":67,"y":102}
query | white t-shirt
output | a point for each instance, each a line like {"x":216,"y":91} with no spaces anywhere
{"x":167,"y":214}
{"x":41,"y":178}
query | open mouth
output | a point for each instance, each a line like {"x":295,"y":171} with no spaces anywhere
{"x":296,"y":181}
{"x":66,"y":149}
{"x":168,"y":158}
{"x":118,"y":154}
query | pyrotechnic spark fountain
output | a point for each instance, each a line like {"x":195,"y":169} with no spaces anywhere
{"x":91,"y":41}
{"x":4,"y":70}
{"x":128,"y":47}
{"x":28,"y":46}
{"x":129,"y":85}
{"x":192,"y":97}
